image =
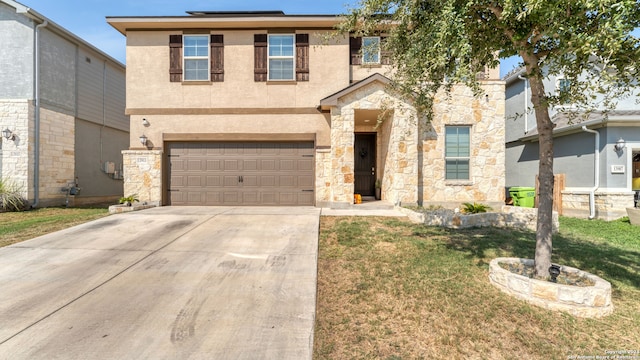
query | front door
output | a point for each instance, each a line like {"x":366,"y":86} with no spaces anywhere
{"x":365,"y":164}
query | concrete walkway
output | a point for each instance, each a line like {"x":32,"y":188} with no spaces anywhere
{"x":165,"y":283}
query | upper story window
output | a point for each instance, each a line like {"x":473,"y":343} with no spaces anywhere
{"x":563,"y":90}
{"x":371,"y":50}
{"x":281,"y":57}
{"x":196,"y":57}
{"x":457,"y":152}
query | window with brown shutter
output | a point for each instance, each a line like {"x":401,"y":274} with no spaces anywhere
{"x":355,"y":44}
{"x":217,"y":58}
{"x":385,"y":55}
{"x":302,"y":57}
{"x":175,"y":58}
{"x":260,"y":57}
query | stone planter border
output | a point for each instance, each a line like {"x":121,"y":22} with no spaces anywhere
{"x":588,"y":302}
{"x":510,"y":217}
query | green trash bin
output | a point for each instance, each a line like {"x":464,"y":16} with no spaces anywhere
{"x":523,"y":196}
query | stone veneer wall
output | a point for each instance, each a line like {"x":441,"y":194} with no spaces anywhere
{"x":323,"y":177}
{"x":399,"y":146}
{"x":57,"y":156}
{"x":486,"y":116}
{"x":609,"y":205}
{"x":14,"y":164}
{"x":142,"y":172}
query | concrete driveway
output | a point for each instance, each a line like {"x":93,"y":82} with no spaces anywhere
{"x":165,"y":283}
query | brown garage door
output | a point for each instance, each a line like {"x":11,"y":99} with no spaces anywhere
{"x":241,"y":173}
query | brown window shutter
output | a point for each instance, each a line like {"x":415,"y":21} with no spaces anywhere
{"x":302,"y":57}
{"x":217,"y":58}
{"x":175,"y":58}
{"x":385,"y":55}
{"x":260,"y":57}
{"x":355,"y":44}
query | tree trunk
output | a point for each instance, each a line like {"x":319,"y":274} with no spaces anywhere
{"x":545,"y":175}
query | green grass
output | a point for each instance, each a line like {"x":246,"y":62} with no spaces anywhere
{"x":20,"y":226}
{"x":389,"y":289}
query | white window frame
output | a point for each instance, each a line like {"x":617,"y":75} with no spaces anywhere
{"x":292,"y":57}
{"x":451,"y":158}
{"x":186,"y":58}
{"x":366,"y":50}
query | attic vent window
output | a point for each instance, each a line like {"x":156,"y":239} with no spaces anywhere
{"x":87,"y":59}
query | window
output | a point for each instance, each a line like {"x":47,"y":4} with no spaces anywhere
{"x":371,"y":50}
{"x":281,"y":57}
{"x":196,"y":57}
{"x":457,"y":152}
{"x":563,"y":89}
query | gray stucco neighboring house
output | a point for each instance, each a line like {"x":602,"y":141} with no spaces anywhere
{"x":598,"y":152}
{"x":62,"y":105}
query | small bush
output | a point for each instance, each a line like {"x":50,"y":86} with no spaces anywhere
{"x":11,"y":198}
{"x":475,"y":208}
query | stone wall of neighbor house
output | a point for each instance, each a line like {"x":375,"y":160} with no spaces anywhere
{"x":485,"y":114}
{"x":57,"y":156}
{"x":608,"y":205}
{"x":14,"y":155}
{"x":142,"y":172}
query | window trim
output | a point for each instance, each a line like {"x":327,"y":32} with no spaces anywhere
{"x":560,"y":89}
{"x":185,"y":57}
{"x":364,"y":51}
{"x":448,"y":158}
{"x":292,"y":57}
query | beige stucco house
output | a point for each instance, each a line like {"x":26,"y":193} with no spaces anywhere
{"x":257,"y":108}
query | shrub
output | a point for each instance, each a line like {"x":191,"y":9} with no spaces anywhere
{"x":129,"y":199}
{"x":11,"y":198}
{"x":475,"y":208}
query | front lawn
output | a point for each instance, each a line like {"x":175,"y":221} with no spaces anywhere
{"x":390,"y":289}
{"x":19,"y":226}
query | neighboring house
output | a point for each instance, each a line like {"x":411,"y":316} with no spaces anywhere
{"x":62,"y":105}
{"x":257,"y":108}
{"x":602,"y":171}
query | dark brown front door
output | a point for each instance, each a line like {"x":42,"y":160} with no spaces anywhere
{"x":365,"y":164}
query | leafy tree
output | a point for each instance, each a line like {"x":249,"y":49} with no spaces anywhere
{"x":437,"y":43}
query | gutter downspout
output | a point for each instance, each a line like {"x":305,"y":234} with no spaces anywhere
{"x":36,"y":85}
{"x":526,"y":109}
{"x":596,"y":173}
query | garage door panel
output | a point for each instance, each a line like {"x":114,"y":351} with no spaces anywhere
{"x":214,"y":181}
{"x":306,"y":165}
{"x":236,"y":173}
{"x":231,"y":181}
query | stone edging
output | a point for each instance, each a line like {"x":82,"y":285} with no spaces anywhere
{"x":118,"y":209}
{"x":587,"y":302}
{"x":509,"y":217}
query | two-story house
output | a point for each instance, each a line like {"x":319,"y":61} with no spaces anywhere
{"x":62,"y":118}
{"x":598,"y":152}
{"x":258,"y":108}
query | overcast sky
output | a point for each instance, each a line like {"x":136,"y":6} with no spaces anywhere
{"x":86,"y":18}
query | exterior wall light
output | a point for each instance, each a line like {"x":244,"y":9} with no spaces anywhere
{"x":145,"y":122}
{"x":554,"y":271}
{"x":619,"y":145}
{"x":143,"y":140}
{"x":8,"y":134}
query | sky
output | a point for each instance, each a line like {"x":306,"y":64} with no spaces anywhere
{"x":86,"y":18}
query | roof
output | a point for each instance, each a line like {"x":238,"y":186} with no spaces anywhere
{"x":59,"y":30}
{"x":224,"y":20}
{"x":332,"y":100}
{"x":567,"y":122}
